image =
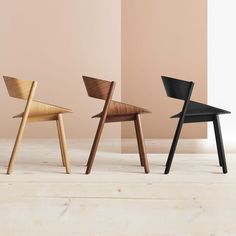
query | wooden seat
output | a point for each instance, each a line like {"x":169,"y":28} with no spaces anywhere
{"x":199,"y":109}
{"x":122,"y":109}
{"x":193,"y":112}
{"x":43,"y":109}
{"x":35,"y":111}
{"x":114,"y":111}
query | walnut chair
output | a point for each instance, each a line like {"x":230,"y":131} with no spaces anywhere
{"x":35,"y":111}
{"x":193,"y":112}
{"x":114,"y":111}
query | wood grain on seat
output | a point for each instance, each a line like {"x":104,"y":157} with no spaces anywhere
{"x":42,"y":109}
{"x":119,"y":108}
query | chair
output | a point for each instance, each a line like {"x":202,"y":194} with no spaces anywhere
{"x":114,"y":111}
{"x":35,"y":111}
{"x":193,"y":112}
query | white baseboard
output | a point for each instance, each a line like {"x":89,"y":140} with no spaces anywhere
{"x":184,"y":146}
{"x":130,"y":145}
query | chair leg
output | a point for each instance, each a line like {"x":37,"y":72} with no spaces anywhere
{"x":217,"y":144}
{"x":220,"y":145}
{"x":142,"y":144}
{"x":173,"y":146}
{"x":95,"y":146}
{"x":16,"y":145}
{"x":63,"y":142}
{"x":60,"y":142}
{"x":138,"y":141}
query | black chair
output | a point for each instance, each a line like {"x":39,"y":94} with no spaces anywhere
{"x":193,"y":112}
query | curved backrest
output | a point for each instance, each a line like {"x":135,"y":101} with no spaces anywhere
{"x":97,"y":88}
{"x":176,"y":88}
{"x":18,"y":88}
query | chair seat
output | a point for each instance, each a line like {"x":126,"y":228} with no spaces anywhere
{"x":43,"y":109}
{"x":120,"y":109}
{"x":200,"y":109}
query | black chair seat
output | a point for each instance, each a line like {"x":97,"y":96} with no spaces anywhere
{"x":199,"y":109}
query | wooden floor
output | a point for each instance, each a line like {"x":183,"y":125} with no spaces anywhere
{"x":117,"y":198}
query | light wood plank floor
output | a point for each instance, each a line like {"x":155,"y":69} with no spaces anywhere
{"x":117,"y":198}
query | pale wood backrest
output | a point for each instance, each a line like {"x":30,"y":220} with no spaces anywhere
{"x":97,"y":88}
{"x":18,"y":88}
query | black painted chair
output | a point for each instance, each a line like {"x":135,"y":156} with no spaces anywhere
{"x":193,"y":112}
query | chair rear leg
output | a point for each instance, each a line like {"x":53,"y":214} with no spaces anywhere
{"x":60,"y":142}
{"x":95,"y":146}
{"x":63,"y":142}
{"x":142,"y":144}
{"x":138,"y":141}
{"x":220,"y":144}
{"x":16,"y":145}
{"x":173,"y":146}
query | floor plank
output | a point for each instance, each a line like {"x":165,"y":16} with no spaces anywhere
{"x":117,"y":198}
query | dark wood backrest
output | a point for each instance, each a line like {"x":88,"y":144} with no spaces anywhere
{"x":176,"y":88}
{"x":97,"y":88}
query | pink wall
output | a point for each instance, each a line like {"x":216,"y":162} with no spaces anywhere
{"x":55,"y":42}
{"x":163,"y":37}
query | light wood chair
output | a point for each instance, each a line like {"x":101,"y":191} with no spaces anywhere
{"x":114,"y":111}
{"x":35,"y":111}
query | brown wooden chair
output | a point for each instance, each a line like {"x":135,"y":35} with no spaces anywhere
{"x":35,"y":111}
{"x":114,"y":111}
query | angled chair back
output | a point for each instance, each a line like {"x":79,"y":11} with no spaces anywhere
{"x":97,"y":88}
{"x":179,"y":89}
{"x":175,"y":88}
{"x":19,"y":88}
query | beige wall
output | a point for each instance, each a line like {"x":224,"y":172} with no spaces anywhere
{"x":55,"y":42}
{"x":163,"y":37}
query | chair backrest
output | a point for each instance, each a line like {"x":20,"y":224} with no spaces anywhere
{"x":18,"y":88}
{"x":175,"y":88}
{"x":97,"y":88}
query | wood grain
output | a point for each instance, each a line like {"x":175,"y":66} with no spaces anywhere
{"x":38,"y":196}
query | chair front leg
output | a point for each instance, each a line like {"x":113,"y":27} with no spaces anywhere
{"x":138,"y":142}
{"x":60,"y":142}
{"x":174,"y":145}
{"x":217,"y":143}
{"x":142,"y":144}
{"x":16,"y":145}
{"x":220,"y":145}
{"x":63,"y":143}
{"x":95,"y":145}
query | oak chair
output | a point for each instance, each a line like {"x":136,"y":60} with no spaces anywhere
{"x":114,"y":111}
{"x":193,"y":112}
{"x":35,"y":111}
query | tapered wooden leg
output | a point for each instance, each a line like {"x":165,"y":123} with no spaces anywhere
{"x":95,"y":146}
{"x":16,"y":146}
{"x":173,"y":146}
{"x":217,"y":143}
{"x":220,"y":145}
{"x":63,"y":142}
{"x":60,"y":142}
{"x":142,"y":144}
{"x":138,"y":141}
